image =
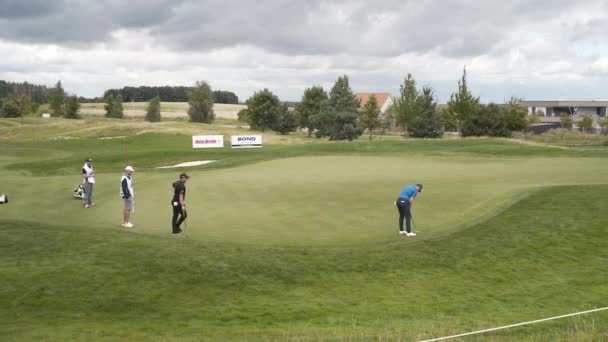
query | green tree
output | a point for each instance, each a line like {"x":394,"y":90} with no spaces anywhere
{"x":448,"y":120}
{"x":533,"y":119}
{"x":386,"y":122}
{"x":201,"y":103}
{"x":35,"y":107}
{"x":72,"y":106}
{"x":243,"y":115}
{"x":57,"y":100}
{"x":286,"y":121}
{"x":11,"y":107}
{"x":566,"y":120}
{"x":341,"y":97}
{"x":388,"y":118}
{"x":153,"y":111}
{"x":487,"y":121}
{"x":313,"y":102}
{"x":340,"y":120}
{"x":604,"y":125}
{"x":586,"y":124}
{"x":113,"y":107}
{"x":515,"y":115}
{"x":428,"y":124}
{"x":223,"y":96}
{"x":370,"y":115}
{"x":25,"y":103}
{"x":117,"y":109}
{"x":407,"y":104}
{"x":15,"y":106}
{"x":262,"y":110}
{"x":109,"y":105}
{"x":462,"y":103}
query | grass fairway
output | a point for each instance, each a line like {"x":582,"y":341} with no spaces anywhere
{"x":298,"y":241}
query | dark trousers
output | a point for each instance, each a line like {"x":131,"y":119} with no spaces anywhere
{"x":403,"y":206}
{"x":88,"y":193}
{"x":178,"y":218}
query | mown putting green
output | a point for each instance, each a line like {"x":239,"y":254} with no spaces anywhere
{"x":306,"y":201}
{"x":299,"y":242}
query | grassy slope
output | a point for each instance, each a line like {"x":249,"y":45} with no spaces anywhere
{"x":150,"y":150}
{"x":64,"y":282}
{"x":293,"y":201}
{"x":545,"y":256}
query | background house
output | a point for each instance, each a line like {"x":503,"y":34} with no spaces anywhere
{"x":550,"y":111}
{"x":385,"y":100}
{"x":574,"y":108}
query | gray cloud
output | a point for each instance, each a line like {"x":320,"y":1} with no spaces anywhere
{"x":289,"y":45}
{"x":315,"y":27}
{"x":312,"y":27}
{"x":16,"y":9}
{"x":73,"y":22}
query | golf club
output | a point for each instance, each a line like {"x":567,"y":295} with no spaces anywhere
{"x":414,"y":223}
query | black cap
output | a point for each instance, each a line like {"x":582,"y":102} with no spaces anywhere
{"x":420,"y":186}
{"x":88,"y":160}
{"x":184,"y":175}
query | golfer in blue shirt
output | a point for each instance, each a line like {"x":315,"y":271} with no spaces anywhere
{"x":404,"y":205}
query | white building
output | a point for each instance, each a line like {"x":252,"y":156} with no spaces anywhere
{"x":550,"y":111}
{"x":574,"y":108}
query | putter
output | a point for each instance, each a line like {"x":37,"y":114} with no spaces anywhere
{"x":414,"y":223}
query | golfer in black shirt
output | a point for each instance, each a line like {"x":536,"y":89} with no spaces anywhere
{"x":179,"y":203}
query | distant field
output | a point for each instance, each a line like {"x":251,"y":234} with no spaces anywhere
{"x":168,"y":109}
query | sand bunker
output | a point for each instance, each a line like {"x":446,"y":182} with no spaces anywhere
{"x":108,"y":138}
{"x":187,"y":164}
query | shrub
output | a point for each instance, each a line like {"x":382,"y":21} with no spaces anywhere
{"x":286,"y":121}
{"x":566,"y":121}
{"x":586,"y":124}
{"x":153,"y":111}
{"x":201,"y":103}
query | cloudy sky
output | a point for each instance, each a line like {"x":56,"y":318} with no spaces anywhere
{"x":535,"y":49}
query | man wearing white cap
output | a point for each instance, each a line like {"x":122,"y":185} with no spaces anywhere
{"x":126,"y":186}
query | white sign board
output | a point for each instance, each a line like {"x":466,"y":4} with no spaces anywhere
{"x":46,"y":115}
{"x":207,"y":141}
{"x":246,"y":141}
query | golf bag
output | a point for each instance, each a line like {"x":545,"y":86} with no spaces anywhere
{"x":3,"y":198}
{"x":79,"y":191}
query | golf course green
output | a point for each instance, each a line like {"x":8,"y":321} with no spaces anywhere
{"x":298,"y":240}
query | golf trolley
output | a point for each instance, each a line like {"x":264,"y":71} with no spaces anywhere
{"x":79,"y":191}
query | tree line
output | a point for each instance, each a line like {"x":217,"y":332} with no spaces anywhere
{"x":19,"y":99}
{"x":37,"y":93}
{"x":22,"y":100}
{"x":335,"y":114}
{"x":338,"y":115}
{"x":166,"y":94}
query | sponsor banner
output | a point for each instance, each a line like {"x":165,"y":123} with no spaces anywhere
{"x":207,"y":141}
{"x":246,"y":141}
